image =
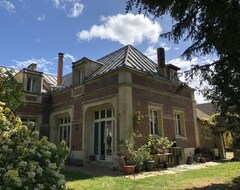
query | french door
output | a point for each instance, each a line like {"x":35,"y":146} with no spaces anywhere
{"x":104,"y":134}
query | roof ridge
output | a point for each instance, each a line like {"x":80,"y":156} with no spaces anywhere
{"x":127,"y":54}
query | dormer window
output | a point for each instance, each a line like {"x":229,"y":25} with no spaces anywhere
{"x":31,"y":85}
{"x":173,"y":75}
{"x":78,"y":76}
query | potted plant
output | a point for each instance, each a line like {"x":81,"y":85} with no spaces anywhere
{"x":139,"y":159}
{"x":148,"y":161}
{"x":158,"y":145}
{"x":127,"y":162}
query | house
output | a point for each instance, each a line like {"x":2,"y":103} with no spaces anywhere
{"x":93,"y":107}
{"x":208,"y":139}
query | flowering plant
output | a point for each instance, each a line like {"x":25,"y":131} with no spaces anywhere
{"x":25,"y":161}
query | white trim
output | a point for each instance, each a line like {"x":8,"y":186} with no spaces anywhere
{"x":180,"y":133}
{"x":160,"y":127}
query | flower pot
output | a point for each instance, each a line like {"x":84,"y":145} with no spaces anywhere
{"x":203,"y":160}
{"x":149,"y":165}
{"x":128,"y":169}
{"x":138,"y":168}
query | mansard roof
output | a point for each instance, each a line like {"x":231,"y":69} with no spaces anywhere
{"x":129,"y":57}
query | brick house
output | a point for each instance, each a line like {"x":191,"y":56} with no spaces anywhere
{"x":93,"y":107}
{"x":207,"y":138}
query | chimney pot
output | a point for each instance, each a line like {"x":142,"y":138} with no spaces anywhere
{"x":60,"y":69}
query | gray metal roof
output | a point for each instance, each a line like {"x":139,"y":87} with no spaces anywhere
{"x":127,"y":56}
{"x":13,"y":70}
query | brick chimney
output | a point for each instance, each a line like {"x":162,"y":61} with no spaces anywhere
{"x":60,"y":69}
{"x":161,"y":61}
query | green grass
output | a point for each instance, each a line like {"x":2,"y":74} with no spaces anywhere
{"x":219,"y":177}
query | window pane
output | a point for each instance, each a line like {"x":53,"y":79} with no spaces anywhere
{"x":29,"y":84}
{"x":102,"y":114}
{"x":109,"y":112}
{"x":96,"y":138}
{"x":60,"y":135}
{"x":96,"y":115}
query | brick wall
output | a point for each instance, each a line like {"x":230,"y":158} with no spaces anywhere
{"x":145,"y":92}
{"x":205,"y":142}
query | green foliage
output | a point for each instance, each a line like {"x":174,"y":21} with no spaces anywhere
{"x":158,"y":144}
{"x":138,"y":117}
{"x":10,"y":90}
{"x":135,"y":157}
{"x":25,"y":161}
{"x":213,"y":27}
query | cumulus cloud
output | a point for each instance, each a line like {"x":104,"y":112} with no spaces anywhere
{"x":165,"y":46}
{"x":7,"y":5}
{"x":41,"y":18}
{"x":42,"y":64}
{"x":151,"y":52}
{"x":76,"y":10}
{"x":125,"y":29}
{"x":71,"y":57}
{"x":195,"y":81}
{"x":73,"y":8}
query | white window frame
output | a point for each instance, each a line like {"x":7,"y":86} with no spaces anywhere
{"x":32,"y":84}
{"x":65,"y":124}
{"x":27,"y":120}
{"x":156,"y":120}
{"x":180,"y":130}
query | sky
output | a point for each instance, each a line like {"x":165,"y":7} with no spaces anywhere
{"x":36,"y":31}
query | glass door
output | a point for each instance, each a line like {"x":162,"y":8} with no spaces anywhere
{"x":104,"y":134}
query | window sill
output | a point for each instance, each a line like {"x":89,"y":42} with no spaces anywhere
{"x":155,"y":136}
{"x":180,"y":137}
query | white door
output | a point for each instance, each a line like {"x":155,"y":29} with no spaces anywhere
{"x":104,"y":134}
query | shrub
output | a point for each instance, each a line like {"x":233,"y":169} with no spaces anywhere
{"x":25,"y":161}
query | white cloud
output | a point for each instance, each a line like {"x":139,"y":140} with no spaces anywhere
{"x":41,"y":18}
{"x":42,"y":64}
{"x":73,"y":8}
{"x":68,"y":56}
{"x":151,"y":52}
{"x":8,"y":6}
{"x":125,"y":29}
{"x":165,"y":46}
{"x":76,"y":10}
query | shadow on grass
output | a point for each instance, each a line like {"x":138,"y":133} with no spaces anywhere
{"x":235,"y":185}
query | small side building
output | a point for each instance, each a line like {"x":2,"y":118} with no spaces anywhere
{"x":208,"y":139}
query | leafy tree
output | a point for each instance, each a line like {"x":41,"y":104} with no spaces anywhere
{"x":10,"y":90}
{"x":25,"y":161}
{"x":227,"y":124}
{"x":213,"y":26}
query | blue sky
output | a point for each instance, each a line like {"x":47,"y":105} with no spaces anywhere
{"x":36,"y":31}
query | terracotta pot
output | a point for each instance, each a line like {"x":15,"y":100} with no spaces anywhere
{"x":128,"y":169}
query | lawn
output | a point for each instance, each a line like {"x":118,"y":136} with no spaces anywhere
{"x":222,"y":176}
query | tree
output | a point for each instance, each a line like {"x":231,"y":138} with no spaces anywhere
{"x":25,"y":161}
{"x":10,"y":90}
{"x":213,"y":26}
{"x":227,"y":124}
